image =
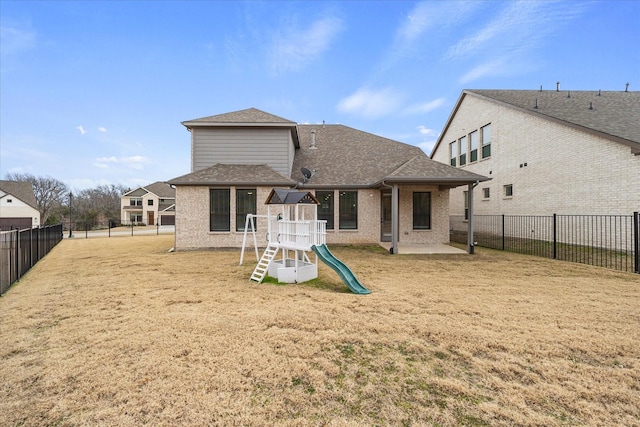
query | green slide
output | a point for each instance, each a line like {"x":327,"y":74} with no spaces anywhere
{"x":343,"y":271}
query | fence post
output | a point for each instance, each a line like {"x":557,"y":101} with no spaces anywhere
{"x":503,"y":232}
{"x":555,"y":236}
{"x":636,"y":240}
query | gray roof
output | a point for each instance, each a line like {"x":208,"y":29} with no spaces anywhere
{"x":282,"y":196}
{"x":347,"y":157}
{"x":250,"y":116}
{"x":21,"y":190}
{"x":160,"y":188}
{"x":609,"y":114}
{"x":225,"y":174}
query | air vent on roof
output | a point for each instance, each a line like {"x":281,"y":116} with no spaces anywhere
{"x":557,"y":86}
{"x":313,"y":139}
{"x":626,"y":89}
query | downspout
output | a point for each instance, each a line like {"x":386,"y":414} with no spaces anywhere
{"x":470,"y":242}
{"x":394,"y":217}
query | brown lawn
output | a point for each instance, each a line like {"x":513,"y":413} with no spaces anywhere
{"x":120,"y":332}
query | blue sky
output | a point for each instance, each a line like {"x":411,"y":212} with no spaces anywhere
{"x":93,"y":92}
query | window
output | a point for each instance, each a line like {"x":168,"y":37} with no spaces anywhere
{"x":348,"y":208}
{"x":135,"y":218}
{"x":486,"y":141}
{"x":135,"y":201}
{"x":473,"y":146}
{"x":150,"y":202}
{"x":422,"y":210}
{"x":325,"y":210}
{"x":9,"y":200}
{"x":219,"y":207}
{"x":486,"y":192}
{"x":245,"y":204}
{"x":462,"y":150}
{"x":466,"y":205}
{"x":508,"y":190}
{"x":453,"y":153}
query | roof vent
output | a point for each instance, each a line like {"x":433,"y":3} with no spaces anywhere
{"x":540,"y":88}
{"x":569,"y":94}
{"x":313,"y":139}
{"x":626,"y":89}
{"x":590,"y":105}
{"x":557,"y":86}
{"x":536,"y":107}
{"x":599,"y":92}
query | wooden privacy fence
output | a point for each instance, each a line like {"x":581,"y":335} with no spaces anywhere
{"x":22,"y":249}
{"x":611,"y":241}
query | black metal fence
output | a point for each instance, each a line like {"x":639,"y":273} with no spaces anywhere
{"x":22,"y":249}
{"x":611,"y":241}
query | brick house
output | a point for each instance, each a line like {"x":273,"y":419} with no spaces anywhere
{"x":149,"y":205}
{"x":546,"y":152}
{"x":371,"y":189}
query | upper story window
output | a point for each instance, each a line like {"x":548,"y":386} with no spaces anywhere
{"x":325,"y":210}
{"x":486,"y":141}
{"x":473,"y":146}
{"x":348,"y":207}
{"x":462,"y":151}
{"x":135,"y":201}
{"x":150,"y":202}
{"x":245,"y":204}
{"x":508,"y":190}
{"x":486,"y":192}
{"x":219,"y":208}
{"x":9,"y":200}
{"x":453,"y":153}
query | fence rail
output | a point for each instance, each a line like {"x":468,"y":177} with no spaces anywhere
{"x":22,"y":249}
{"x":611,"y":241}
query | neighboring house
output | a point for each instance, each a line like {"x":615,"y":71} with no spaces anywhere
{"x":154,"y":204}
{"x":563,"y":152}
{"x":365,"y":183}
{"x":18,"y":206}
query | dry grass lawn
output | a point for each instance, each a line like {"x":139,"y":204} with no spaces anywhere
{"x":120,"y":332}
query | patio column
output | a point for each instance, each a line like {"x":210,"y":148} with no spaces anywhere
{"x":394,"y":219}
{"x":470,"y":244}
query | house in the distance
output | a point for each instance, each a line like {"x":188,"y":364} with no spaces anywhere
{"x":153,"y":204}
{"x":551,"y":151}
{"x":18,"y":206}
{"x":371,"y":189}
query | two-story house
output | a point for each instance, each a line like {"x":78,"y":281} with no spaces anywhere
{"x":18,"y":205}
{"x":551,"y":151}
{"x":153,"y":204}
{"x":370,"y":188}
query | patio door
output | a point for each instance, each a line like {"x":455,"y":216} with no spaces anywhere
{"x":385,"y":216}
{"x":150,"y":217}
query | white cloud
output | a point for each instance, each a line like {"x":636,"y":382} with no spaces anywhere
{"x":426,"y":131}
{"x":102,"y":129}
{"x":15,"y":40}
{"x":491,"y":68}
{"x":295,"y":48}
{"x":132,"y":162}
{"x":427,"y":146}
{"x":81,"y":129}
{"x":425,"y":107}
{"x":371,"y":104}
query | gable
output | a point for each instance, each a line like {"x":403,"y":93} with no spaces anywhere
{"x":21,"y":190}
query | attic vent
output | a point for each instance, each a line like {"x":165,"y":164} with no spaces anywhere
{"x":536,"y":107}
{"x":313,"y":139}
{"x":599,"y":92}
{"x":569,"y":94}
{"x":590,"y":105}
{"x":626,"y":89}
{"x":557,"y":86}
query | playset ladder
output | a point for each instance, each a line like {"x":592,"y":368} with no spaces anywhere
{"x":263,"y":264}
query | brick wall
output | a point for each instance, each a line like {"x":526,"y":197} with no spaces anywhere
{"x":553,"y":168}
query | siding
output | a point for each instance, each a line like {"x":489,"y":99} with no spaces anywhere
{"x":568,"y":171}
{"x":273,"y":147}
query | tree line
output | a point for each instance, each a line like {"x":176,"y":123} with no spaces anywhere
{"x":90,"y":208}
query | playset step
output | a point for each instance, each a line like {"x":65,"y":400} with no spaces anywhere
{"x":263,"y":265}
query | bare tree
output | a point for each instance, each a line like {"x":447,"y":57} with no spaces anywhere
{"x":50,"y":193}
{"x":102,"y":202}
